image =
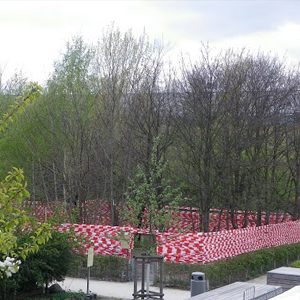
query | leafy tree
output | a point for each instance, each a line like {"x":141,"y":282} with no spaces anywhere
{"x":57,"y":133}
{"x":70,"y":104}
{"x":119,"y":58}
{"x":13,"y":220}
{"x":151,"y":201}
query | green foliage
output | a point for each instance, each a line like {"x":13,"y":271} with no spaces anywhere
{"x":152,"y":192}
{"x":50,"y":263}
{"x":60,"y":296}
{"x":104,"y":267}
{"x":15,"y":221}
{"x":295,"y":264}
{"x":30,"y":94}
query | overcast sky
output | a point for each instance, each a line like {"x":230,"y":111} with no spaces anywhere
{"x":34,"y":33}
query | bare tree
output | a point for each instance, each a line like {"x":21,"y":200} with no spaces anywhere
{"x":231,"y":131}
{"x":292,"y":143}
{"x":199,"y":127}
{"x":116,"y":64}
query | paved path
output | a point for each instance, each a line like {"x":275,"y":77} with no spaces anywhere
{"x":124,"y":290}
{"x":260,"y":280}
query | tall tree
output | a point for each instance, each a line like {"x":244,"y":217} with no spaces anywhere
{"x":231,"y":130}
{"x":59,"y":130}
{"x":292,"y":143}
{"x":199,"y":127}
{"x":132,"y":107}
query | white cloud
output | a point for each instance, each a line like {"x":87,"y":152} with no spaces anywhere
{"x":282,"y":41}
{"x":33,"y":33}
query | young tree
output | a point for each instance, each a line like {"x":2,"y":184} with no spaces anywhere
{"x":151,"y":202}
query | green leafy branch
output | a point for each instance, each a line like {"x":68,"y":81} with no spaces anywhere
{"x":15,"y":222}
{"x":32,"y":92}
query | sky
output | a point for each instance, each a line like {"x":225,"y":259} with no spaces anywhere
{"x":35,"y":33}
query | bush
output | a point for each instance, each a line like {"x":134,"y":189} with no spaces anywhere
{"x":104,"y":267}
{"x":295,"y":264}
{"x":60,"y":296}
{"x":50,"y":263}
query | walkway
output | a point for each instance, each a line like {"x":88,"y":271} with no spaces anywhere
{"x":124,"y":290}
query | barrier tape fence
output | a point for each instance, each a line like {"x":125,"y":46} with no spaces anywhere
{"x":192,"y":247}
{"x":189,"y":247}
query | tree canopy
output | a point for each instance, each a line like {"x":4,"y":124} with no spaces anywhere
{"x":227,"y":125}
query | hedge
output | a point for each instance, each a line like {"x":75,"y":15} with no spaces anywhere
{"x":177,"y":275}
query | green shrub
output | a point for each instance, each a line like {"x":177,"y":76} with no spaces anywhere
{"x":50,"y":263}
{"x":104,"y":267}
{"x":60,"y":296}
{"x":8,"y":287}
{"x":295,"y":264}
